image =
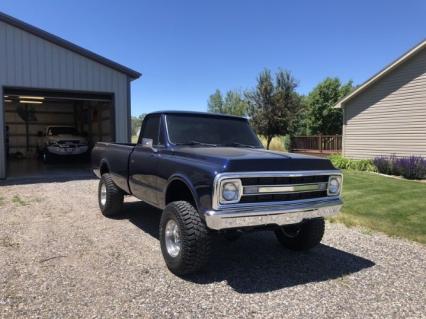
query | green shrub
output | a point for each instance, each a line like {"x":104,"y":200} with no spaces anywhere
{"x":339,"y":161}
{"x":358,"y":165}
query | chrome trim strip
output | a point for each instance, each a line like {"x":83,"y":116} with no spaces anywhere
{"x":280,"y":173}
{"x":296,"y":188}
{"x":221,"y":176}
{"x":267,"y":215}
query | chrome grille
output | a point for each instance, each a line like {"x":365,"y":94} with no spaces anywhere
{"x":259,"y":188}
{"x":69,"y":142}
{"x":282,"y":197}
{"x":283,"y":180}
{"x":289,"y":188}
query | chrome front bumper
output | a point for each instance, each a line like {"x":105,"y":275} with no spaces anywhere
{"x":282,"y":214}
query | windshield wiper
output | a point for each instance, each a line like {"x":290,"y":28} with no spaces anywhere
{"x":236,"y":144}
{"x":193,"y":142}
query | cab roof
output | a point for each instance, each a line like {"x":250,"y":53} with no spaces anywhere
{"x":198,"y":114}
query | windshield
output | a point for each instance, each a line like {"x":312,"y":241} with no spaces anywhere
{"x":210,"y":131}
{"x":62,"y":131}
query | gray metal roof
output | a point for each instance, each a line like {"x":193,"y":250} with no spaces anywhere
{"x":67,"y":45}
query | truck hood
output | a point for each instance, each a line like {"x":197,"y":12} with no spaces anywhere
{"x":67,"y":137}
{"x":236,"y":159}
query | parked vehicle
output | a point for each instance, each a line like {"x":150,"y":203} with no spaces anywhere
{"x":210,"y":174}
{"x":62,"y":141}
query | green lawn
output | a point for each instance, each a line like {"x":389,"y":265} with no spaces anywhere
{"x":395,"y":207}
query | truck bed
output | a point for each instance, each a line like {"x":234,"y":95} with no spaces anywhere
{"x":116,"y":157}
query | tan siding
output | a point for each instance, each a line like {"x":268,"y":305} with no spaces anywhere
{"x":389,"y":117}
{"x":29,"y":61}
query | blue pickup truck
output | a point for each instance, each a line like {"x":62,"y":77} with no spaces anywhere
{"x":209,"y":174}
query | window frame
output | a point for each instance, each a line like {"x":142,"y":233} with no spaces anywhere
{"x":167,"y":135}
{"x":144,"y":123}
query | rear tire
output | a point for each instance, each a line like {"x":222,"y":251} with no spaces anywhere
{"x":303,"y":236}
{"x":184,"y":238}
{"x":110,"y":197}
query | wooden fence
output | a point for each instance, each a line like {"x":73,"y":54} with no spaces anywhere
{"x":327,"y":144}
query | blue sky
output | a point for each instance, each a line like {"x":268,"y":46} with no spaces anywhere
{"x":187,"y":49}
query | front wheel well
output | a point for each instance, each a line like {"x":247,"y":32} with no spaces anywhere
{"x":104,"y":168}
{"x":179,"y":191}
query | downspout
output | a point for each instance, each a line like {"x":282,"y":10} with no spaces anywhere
{"x":129,"y":111}
{"x":343,"y":130}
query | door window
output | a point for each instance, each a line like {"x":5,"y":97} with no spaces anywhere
{"x":151,"y":129}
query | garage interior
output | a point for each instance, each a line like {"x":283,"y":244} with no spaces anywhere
{"x":29,"y":112}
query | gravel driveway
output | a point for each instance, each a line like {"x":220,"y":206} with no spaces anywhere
{"x":60,"y":258}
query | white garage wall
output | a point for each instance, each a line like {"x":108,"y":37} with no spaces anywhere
{"x":27,"y":61}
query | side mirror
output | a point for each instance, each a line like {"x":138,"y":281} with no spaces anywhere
{"x":147,"y":142}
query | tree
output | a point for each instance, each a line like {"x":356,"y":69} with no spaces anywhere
{"x":137,"y":123}
{"x":215,"y":102}
{"x":273,"y":107}
{"x":322,"y":118}
{"x":233,"y":103}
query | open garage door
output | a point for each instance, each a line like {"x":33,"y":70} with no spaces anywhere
{"x":51,"y":133}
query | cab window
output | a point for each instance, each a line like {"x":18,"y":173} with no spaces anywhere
{"x":151,"y":129}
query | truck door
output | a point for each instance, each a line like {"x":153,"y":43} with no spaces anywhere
{"x":143,"y":162}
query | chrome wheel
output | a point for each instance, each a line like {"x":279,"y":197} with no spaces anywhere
{"x":172,"y":238}
{"x":103,"y":195}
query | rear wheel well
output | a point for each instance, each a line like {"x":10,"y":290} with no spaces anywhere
{"x":104,"y":169}
{"x":179,"y":191}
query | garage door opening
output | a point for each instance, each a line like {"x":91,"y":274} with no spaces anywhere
{"x":51,"y":133}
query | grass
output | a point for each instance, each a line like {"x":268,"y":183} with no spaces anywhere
{"x":1,"y":201}
{"x":392,"y":206}
{"x":134,"y":139}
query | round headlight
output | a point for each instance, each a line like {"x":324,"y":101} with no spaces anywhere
{"x":229,"y":191}
{"x":334,"y":186}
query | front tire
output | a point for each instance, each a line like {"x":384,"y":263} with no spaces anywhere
{"x":303,"y":236}
{"x":110,"y":197}
{"x":184,"y":238}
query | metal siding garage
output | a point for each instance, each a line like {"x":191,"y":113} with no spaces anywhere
{"x":39,"y":63}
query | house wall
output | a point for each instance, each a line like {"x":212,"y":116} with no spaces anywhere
{"x":389,"y":117}
{"x":27,"y":61}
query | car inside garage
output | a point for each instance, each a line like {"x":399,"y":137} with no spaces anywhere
{"x":52,"y":132}
{"x":58,"y":97}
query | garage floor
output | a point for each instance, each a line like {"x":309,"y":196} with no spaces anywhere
{"x":31,"y":168}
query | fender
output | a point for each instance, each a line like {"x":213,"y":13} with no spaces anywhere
{"x":184,"y":179}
